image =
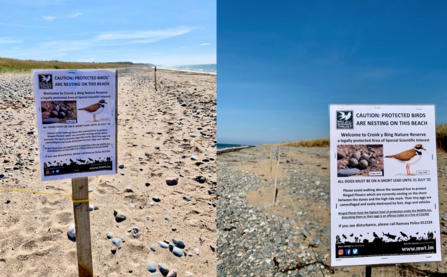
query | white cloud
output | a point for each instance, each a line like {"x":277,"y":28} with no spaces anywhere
{"x":74,"y":15}
{"x":143,"y":36}
{"x":5,"y":40}
{"x":205,"y":44}
{"x":49,"y":18}
{"x":119,"y":38}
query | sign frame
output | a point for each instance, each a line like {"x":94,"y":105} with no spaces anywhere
{"x":356,"y":228}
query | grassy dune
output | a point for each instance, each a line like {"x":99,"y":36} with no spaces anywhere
{"x":441,"y":140}
{"x":13,"y":65}
{"x":320,"y":142}
{"x":441,"y":136}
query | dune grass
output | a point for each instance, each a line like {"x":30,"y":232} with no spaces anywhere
{"x":441,"y":136}
{"x":441,"y":140}
{"x":320,"y":142}
{"x":14,"y":65}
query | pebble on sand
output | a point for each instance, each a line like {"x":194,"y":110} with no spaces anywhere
{"x":119,"y":216}
{"x":177,"y":251}
{"x":117,"y":243}
{"x":163,"y":244}
{"x":171,"y":181}
{"x":72,"y":232}
{"x":178,"y":243}
{"x":172,"y":273}
{"x":163,"y":269}
{"x":151,"y":266}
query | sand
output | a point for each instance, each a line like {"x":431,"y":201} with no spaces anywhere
{"x":309,"y":160}
{"x":33,"y":227}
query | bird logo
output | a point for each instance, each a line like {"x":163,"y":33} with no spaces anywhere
{"x":45,"y":78}
{"x":344,"y":116}
{"x":95,"y":109}
{"x":409,"y":157}
{"x":345,"y":119}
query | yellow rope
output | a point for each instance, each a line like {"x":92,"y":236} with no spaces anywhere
{"x":100,"y":177}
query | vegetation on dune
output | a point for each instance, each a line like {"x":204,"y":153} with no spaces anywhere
{"x":320,"y":142}
{"x":14,"y":65}
{"x":441,"y":136}
{"x":441,"y":140}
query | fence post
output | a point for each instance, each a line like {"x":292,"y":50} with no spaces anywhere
{"x":82,"y":223}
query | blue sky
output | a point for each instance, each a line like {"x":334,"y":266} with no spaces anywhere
{"x":168,"y":32}
{"x":282,"y":64}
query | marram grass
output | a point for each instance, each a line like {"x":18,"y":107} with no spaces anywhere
{"x":13,"y":65}
{"x":441,"y":140}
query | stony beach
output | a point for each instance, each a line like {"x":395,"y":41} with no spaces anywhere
{"x":256,"y":238}
{"x":156,"y":217}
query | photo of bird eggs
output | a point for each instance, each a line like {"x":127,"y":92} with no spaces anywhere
{"x":360,"y":160}
{"x":58,"y":112}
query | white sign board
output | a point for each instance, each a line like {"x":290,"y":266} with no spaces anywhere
{"x":76,"y":120}
{"x":384,"y":185}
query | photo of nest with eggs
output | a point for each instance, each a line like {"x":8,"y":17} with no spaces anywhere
{"x":58,"y":112}
{"x":359,"y":160}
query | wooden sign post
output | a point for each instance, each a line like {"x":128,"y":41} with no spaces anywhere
{"x":383,"y":270}
{"x":275,"y":193}
{"x":155,"y":82}
{"x":82,"y":223}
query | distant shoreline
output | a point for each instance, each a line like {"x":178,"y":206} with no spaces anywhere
{"x":226,"y":150}
{"x":189,"y":71}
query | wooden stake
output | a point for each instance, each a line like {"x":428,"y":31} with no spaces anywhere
{"x":276,"y":177}
{"x":271,"y":150}
{"x":82,"y":223}
{"x":155,"y":73}
{"x":384,"y":270}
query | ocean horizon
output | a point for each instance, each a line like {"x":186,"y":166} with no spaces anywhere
{"x":197,"y":68}
{"x":225,"y":146}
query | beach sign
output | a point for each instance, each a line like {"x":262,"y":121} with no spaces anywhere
{"x":384,"y":185}
{"x":76,"y":113}
{"x":76,"y":120}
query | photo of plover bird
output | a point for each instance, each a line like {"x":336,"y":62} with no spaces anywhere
{"x":95,"y":108}
{"x":409,"y":157}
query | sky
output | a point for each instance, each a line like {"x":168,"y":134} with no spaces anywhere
{"x":282,"y":65}
{"x":168,"y":32}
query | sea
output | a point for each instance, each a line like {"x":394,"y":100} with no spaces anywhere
{"x":225,"y":146}
{"x":199,"y":68}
